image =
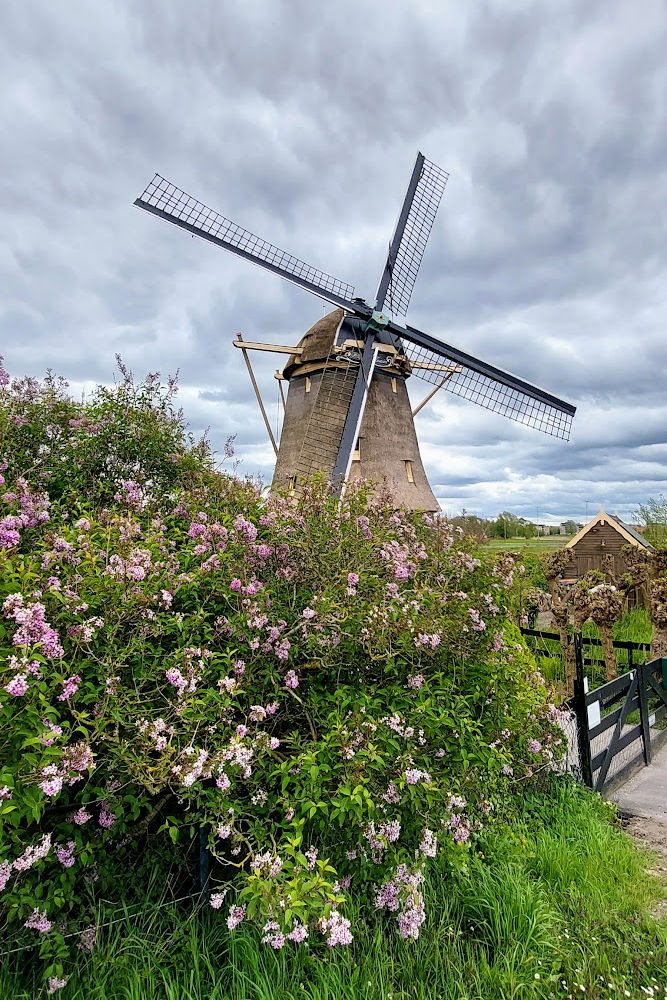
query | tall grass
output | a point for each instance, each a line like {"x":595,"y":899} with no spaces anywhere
{"x":553,"y":901}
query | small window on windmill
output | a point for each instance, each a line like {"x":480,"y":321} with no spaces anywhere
{"x":356,"y":454}
{"x":292,"y":484}
{"x":307,"y":383}
{"x":408,"y":471}
{"x":393,"y":385}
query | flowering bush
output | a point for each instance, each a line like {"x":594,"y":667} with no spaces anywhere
{"x":331,"y":691}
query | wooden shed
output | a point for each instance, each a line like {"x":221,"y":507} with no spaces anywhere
{"x":604,"y":536}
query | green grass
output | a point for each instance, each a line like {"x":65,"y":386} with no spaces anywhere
{"x":537,"y":546}
{"x":558,"y":896}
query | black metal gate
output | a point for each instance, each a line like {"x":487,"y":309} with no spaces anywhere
{"x":620,"y":722}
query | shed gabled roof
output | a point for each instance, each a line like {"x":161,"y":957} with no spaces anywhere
{"x":625,"y":530}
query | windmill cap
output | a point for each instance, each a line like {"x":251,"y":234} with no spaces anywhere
{"x":316,"y":343}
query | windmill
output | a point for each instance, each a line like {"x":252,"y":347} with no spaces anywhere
{"x":347,"y":411}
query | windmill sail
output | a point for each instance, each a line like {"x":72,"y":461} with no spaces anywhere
{"x":484,"y":384}
{"x":413,"y":229}
{"x":170,"y":203}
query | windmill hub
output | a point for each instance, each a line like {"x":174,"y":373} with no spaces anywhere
{"x":347,"y":411}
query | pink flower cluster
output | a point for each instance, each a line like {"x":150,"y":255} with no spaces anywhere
{"x":236,"y":916}
{"x":337,"y":929}
{"x":245,"y":529}
{"x":106,"y":818}
{"x":478,"y":623}
{"x":135,"y":567}
{"x":267,"y":865}
{"x":386,"y":833}
{"x":459,"y":824}
{"x":298,"y":934}
{"x":38,"y":921}
{"x":65,"y":854}
{"x":52,"y":734}
{"x":211,"y":538}
{"x":273,"y":935}
{"x":311,"y":855}
{"x":428,"y":845}
{"x":33,"y":511}
{"x":402,"y":895}
{"x":398,"y":557}
{"x":85,"y":631}
{"x":25,"y":861}
{"x":157,"y":731}
{"x":413,"y":776}
{"x":17,"y":686}
{"x":55,"y":983}
{"x":132,"y":494}
{"x":77,"y":758}
{"x":415,"y":681}
{"x":34,"y":630}
{"x":70,"y":687}
{"x":429,"y":640}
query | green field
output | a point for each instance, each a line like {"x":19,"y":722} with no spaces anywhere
{"x":537,"y":546}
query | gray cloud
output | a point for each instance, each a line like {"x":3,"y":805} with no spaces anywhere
{"x":301,"y":122}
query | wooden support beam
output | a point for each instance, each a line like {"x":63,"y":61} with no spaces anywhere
{"x":453,"y":370}
{"x":434,"y":367}
{"x":280,"y":386}
{"x":248,"y":345}
{"x":385,"y":348}
{"x":239,"y":342}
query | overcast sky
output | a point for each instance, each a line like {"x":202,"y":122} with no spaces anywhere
{"x":301,"y":121}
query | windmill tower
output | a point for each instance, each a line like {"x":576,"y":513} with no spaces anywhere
{"x":321,"y":376}
{"x":347,"y":411}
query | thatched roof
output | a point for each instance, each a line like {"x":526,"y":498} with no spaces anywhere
{"x":316,"y":342}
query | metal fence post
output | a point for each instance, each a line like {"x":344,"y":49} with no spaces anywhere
{"x":642,"y":669}
{"x":581,"y":712}
{"x":203,"y":860}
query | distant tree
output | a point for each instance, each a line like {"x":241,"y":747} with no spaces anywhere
{"x":472,"y":525}
{"x":570,"y":527}
{"x":506,"y":525}
{"x":653,"y":514}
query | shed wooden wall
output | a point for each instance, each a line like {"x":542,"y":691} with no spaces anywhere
{"x":589,"y":552}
